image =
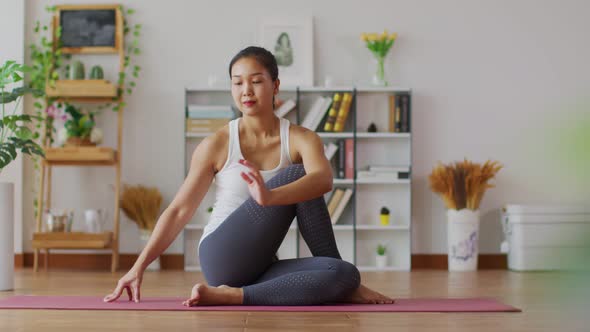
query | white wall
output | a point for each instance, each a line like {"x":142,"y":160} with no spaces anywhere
{"x":491,"y":79}
{"x":12,"y":35}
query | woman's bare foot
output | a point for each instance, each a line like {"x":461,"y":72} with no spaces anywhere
{"x":202,"y":294}
{"x":364,"y":295}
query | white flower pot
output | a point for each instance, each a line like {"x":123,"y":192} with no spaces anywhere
{"x":463,"y":239}
{"x":144,"y":235}
{"x":381,"y":261}
{"x":6,"y":236}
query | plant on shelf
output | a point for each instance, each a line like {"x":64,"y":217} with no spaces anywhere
{"x":379,"y":45}
{"x":14,"y":132}
{"x":47,"y":60}
{"x":381,"y":258}
{"x":384,"y":216}
{"x":79,"y":127}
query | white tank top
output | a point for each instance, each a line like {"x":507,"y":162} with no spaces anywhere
{"x":231,"y":189}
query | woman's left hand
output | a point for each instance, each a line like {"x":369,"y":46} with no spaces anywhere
{"x":256,"y":184}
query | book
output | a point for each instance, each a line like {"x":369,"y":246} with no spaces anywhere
{"x":349,"y":158}
{"x":333,"y":112}
{"x":334,"y":200}
{"x":405,"y":113}
{"x":200,"y":108}
{"x":398,"y":122}
{"x":313,"y":112}
{"x":285,"y":108}
{"x":391,"y":119}
{"x":343,"y":112}
{"x":341,"y":160}
{"x":341,"y":205}
{"x":322,"y":114}
{"x":211,"y":114}
{"x":330,"y":150}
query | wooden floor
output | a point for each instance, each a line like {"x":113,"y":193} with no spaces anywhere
{"x":550,"y":302}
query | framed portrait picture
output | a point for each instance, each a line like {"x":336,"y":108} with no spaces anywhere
{"x":291,"y":42}
{"x":90,"y":28}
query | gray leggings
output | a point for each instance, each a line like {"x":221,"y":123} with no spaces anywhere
{"x":240,"y":252}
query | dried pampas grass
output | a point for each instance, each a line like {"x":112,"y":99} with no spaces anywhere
{"x":463,"y":184}
{"x":142,"y":205}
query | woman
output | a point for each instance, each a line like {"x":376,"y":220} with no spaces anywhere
{"x":267,"y":172}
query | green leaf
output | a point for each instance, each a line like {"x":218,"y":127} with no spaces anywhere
{"x":130,"y":11}
{"x":7,"y":154}
{"x":24,"y":133}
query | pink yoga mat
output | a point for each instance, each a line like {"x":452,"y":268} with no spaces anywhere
{"x":175,"y":304}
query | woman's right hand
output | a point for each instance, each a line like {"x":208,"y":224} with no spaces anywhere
{"x":131,"y":282}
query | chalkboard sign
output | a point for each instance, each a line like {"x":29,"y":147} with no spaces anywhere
{"x":88,"y":28}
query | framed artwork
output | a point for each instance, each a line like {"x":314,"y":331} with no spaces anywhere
{"x":90,"y":28}
{"x":291,"y":42}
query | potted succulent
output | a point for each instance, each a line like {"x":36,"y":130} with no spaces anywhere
{"x":79,"y":128}
{"x":462,"y":186}
{"x":384,"y":216}
{"x":15,"y":135}
{"x":381,"y":258}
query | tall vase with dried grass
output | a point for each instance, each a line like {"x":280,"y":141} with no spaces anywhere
{"x":142,"y":205}
{"x":462,"y":186}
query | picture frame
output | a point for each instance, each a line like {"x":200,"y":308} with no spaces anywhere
{"x":89,"y":28}
{"x":290,"y":40}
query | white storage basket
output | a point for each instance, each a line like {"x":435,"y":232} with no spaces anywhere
{"x":546,"y":237}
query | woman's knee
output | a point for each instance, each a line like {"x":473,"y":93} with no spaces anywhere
{"x":348,"y":276}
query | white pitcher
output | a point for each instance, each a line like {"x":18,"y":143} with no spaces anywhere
{"x":95,"y":220}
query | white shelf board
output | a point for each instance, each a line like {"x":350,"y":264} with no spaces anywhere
{"x":197,"y":135}
{"x":375,"y":269}
{"x":336,"y":135}
{"x":376,"y":181}
{"x":369,"y":89}
{"x":382,"y":135}
{"x":343,"y":181}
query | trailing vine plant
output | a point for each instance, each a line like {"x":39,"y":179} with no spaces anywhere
{"x":46,"y":61}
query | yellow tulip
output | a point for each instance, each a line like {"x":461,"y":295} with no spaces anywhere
{"x":384,"y":36}
{"x":364,"y":37}
{"x":373,"y":37}
{"x":393,"y":36}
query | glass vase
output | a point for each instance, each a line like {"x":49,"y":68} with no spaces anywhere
{"x":379,"y":73}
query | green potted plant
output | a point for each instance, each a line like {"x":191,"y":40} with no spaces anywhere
{"x":14,"y":135}
{"x":381,"y":258}
{"x":79,"y":128}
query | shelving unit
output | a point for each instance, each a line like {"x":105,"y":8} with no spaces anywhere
{"x":358,"y":230}
{"x":85,"y":92}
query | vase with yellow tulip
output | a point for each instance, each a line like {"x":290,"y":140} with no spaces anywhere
{"x":379,"y":45}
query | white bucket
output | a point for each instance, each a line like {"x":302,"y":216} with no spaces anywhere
{"x":463,"y":239}
{"x":6,"y":236}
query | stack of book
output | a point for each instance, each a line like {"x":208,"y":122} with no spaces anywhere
{"x":337,"y":202}
{"x":341,"y":154}
{"x":338,"y":112}
{"x":384,"y":173}
{"x":207,"y":118}
{"x":399,"y":113}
